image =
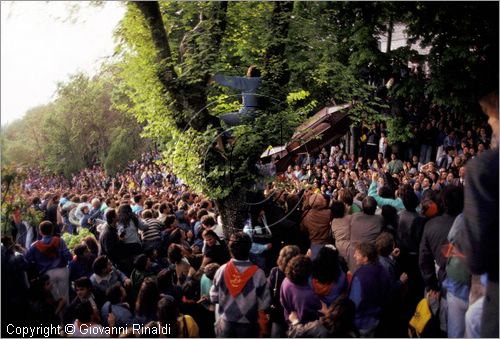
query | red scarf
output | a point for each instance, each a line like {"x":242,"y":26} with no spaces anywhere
{"x":17,"y":216}
{"x":51,"y":249}
{"x":236,"y":281}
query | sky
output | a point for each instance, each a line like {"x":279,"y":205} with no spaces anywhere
{"x":43,"y":42}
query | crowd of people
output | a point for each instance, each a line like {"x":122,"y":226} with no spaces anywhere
{"x":340,"y":245}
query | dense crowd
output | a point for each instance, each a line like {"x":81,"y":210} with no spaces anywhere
{"x":340,"y":245}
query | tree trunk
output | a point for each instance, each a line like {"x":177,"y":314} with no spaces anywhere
{"x":389,"y":35}
{"x":233,"y":211}
{"x":151,"y":12}
{"x":190,"y":93}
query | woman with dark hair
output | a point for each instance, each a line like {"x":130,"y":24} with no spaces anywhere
{"x":345,"y":196}
{"x":128,"y":225}
{"x":178,"y":236}
{"x":295,"y":294}
{"x":169,"y":225}
{"x":183,"y":269}
{"x":147,"y":300}
{"x":181,"y":326}
{"x":92,"y":245}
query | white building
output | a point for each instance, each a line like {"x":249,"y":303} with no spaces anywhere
{"x":400,"y":39}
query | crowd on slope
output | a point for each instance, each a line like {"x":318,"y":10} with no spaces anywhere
{"x":340,"y":245}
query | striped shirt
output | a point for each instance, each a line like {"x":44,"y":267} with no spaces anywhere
{"x":152,"y":232}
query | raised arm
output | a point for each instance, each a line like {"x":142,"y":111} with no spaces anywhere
{"x":235,"y":82}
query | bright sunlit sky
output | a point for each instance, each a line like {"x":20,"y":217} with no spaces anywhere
{"x":43,"y":42}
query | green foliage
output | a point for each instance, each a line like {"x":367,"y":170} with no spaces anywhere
{"x":246,"y":34}
{"x":120,"y":152}
{"x":192,"y":158}
{"x":13,"y":200}
{"x":463,"y":57}
{"x":76,"y":130}
{"x":23,"y":139}
{"x":399,"y":131}
{"x":72,"y":240}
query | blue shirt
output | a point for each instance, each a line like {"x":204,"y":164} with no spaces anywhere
{"x":248,"y":86}
{"x":396,"y":203}
{"x":78,"y":269}
{"x":85,"y":222}
{"x":137,"y":209}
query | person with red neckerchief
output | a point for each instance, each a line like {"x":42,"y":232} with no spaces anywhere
{"x":241,"y":291}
